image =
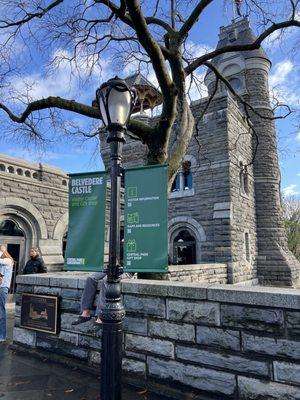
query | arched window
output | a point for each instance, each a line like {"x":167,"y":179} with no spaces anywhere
{"x":244,"y":179}
{"x":28,"y":174}
{"x":19,"y":171}
{"x":64,"y":243}
{"x":247,"y":246}
{"x":2,"y":167}
{"x":176,"y":184}
{"x":184,"y":248}
{"x":64,"y":182}
{"x":187,"y":175}
{"x":11,"y":170}
{"x":10,"y":228}
{"x":236,"y":84}
{"x":35,"y":175}
{"x":184,"y":179}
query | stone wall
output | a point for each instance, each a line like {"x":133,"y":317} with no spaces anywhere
{"x":183,"y":339}
{"x":35,"y":197}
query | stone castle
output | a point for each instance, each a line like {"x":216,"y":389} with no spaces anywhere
{"x":225,"y":203}
{"x":33,"y":210}
{"x":224,"y":207}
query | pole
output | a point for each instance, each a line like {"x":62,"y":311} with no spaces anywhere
{"x":113,"y":312}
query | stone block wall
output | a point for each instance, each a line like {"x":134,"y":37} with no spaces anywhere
{"x":35,"y":197}
{"x":243,"y":222}
{"x":183,"y":339}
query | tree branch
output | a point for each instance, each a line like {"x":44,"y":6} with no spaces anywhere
{"x":247,"y":105}
{"x":190,"y":22}
{"x":52,"y":102}
{"x":160,"y":22}
{"x":240,"y":47}
{"x":151,"y":47}
{"x":30,"y":16}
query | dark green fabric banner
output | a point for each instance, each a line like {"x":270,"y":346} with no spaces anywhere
{"x":87,"y":201}
{"x":146,"y":219}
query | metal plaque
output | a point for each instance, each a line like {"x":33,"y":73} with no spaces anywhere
{"x":40,"y":313}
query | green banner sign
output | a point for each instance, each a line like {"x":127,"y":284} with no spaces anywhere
{"x":87,"y":201}
{"x":146,"y":219}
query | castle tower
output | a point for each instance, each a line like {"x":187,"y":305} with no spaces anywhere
{"x":224,"y":205}
{"x":248,"y":73}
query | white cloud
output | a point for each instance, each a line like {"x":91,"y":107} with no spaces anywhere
{"x":194,"y":50}
{"x":290,"y":190}
{"x":283,"y":73}
{"x":280,"y":72}
{"x":64,"y":78}
{"x":36,"y":156}
{"x":298,"y":136}
{"x":298,"y":174}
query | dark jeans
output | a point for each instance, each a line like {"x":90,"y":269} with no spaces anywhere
{"x":3,"y":296}
{"x":90,"y":290}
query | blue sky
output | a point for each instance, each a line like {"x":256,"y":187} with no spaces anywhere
{"x":76,"y":155}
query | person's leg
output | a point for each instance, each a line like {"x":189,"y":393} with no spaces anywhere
{"x":88,"y":297}
{"x":101,"y":300}
{"x":3,"y":295}
{"x":89,"y":292}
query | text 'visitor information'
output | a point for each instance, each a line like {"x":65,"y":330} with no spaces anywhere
{"x":146,"y":238}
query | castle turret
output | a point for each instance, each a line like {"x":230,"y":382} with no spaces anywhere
{"x":248,"y":71}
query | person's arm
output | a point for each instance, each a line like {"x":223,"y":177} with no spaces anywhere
{"x":24,"y":272}
{"x":42,"y":267}
{"x":8,"y":262}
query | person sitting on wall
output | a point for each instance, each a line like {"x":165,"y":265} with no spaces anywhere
{"x":88,"y":298}
{"x":6,"y":269}
{"x":36,"y":264}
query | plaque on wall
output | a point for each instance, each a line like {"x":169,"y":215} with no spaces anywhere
{"x":40,"y":313}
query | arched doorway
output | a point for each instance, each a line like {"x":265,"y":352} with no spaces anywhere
{"x":184,"y":248}
{"x":186,"y":235}
{"x":13,"y":237}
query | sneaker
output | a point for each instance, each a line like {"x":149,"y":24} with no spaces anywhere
{"x":81,"y":320}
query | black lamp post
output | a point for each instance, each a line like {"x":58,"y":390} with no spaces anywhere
{"x":115,"y":101}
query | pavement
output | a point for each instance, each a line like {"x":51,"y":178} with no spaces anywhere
{"x":23,"y":377}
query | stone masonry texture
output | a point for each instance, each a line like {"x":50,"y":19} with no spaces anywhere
{"x":233,"y":209}
{"x":187,"y":340}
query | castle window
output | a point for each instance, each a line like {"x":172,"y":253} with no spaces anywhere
{"x":11,"y":170}
{"x":187,"y":175}
{"x":35,"y":175}
{"x":10,"y":228}
{"x":64,"y":182}
{"x":247,"y":246}
{"x":19,"y":171}
{"x":236,"y":84}
{"x":184,"y":248}
{"x":184,"y":179}
{"x":2,"y":167}
{"x":27,"y":174}
{"x":176,"y":184}
{"x":244,"y":179}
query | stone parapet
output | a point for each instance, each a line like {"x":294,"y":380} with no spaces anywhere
{"x":188,"y":340}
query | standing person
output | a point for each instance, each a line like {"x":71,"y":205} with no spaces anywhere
{"x":6,"y":268}
{"x":36,"y":264}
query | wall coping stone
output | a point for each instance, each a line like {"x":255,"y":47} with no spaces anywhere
{"x":196,"y":267}
{"x":254,"y":295}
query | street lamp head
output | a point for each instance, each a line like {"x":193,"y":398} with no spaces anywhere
{"x":115,"y":101}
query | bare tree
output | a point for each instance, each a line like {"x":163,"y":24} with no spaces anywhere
{"x":291,"y":213}
{"x":149,"y":33}
{"x":291,"y":208}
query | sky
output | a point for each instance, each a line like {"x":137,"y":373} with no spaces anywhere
{"x":80,"y":155}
